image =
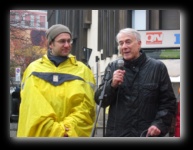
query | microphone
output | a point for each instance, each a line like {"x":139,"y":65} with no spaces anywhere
{"x":120,"y":64}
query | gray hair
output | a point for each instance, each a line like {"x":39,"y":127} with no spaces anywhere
{"x":129,"y":31}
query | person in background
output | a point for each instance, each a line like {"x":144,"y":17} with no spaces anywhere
{"x":177,"y":124}
{"x":57,"y":92}
{"x":139,"y":94}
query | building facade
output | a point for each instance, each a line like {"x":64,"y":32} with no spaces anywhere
{"x":94,"y":34}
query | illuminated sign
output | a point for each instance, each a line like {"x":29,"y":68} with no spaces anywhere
{"x":160,"y":39}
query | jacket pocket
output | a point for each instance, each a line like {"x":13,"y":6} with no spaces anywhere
{"x":150,"y":89}
{"x":149,"y":101}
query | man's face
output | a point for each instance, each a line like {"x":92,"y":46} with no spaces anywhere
{"x":62,"y":44}
{"x":129,"y":46}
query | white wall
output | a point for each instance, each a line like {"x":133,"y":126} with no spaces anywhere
{"x":93,"y":44}
{"x":93,"y":40}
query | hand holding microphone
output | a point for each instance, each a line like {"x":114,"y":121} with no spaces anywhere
{"x":118,"y":74}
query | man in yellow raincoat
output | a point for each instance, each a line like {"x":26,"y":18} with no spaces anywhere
{"x":57,"y":92}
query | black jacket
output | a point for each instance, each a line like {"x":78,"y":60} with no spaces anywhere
{"x":145,"y":98}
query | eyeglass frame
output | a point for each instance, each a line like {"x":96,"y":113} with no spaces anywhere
{"x":63,"y":41}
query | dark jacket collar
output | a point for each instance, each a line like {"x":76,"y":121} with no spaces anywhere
{"x":56,"y":59}
{"x":137,"y":62}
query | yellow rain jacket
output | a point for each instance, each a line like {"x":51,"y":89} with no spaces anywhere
{"x":55,"y":98}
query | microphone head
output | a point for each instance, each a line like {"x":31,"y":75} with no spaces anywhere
{"x":120,"y":64}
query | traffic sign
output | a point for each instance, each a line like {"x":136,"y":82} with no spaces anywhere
{"x":18,"y":74}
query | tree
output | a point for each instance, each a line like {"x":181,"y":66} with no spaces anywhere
{"x":26,"y":43}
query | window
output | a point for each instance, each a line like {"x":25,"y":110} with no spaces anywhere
{"x":38,"y":21}
{"x":32,"y":21}
{"x":16,"y":18}
{"x":139,"y":19}
{"x":42,"y":21}
{"x":23,"y":20}
{"x":163,"y":53}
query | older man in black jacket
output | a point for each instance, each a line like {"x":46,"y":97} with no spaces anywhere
{"x":140,"y":96}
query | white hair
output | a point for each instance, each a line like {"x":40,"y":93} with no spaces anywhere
{"x":127,"y":31}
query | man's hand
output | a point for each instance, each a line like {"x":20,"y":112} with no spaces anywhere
{"x":153,"y":131}
{"x":118,"y":77}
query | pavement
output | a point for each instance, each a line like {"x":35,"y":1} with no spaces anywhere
{"x":13,"y":129}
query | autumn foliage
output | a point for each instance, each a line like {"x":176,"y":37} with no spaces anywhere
{"x":26,"y":45}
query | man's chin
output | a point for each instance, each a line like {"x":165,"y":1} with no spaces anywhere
{"x":64,"y":54}
{"x":126,"y":57}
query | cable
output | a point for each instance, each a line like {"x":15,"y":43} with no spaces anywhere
{"x":116,"y":110}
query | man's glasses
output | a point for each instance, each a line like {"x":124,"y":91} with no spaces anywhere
{"x":65,"y":41}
